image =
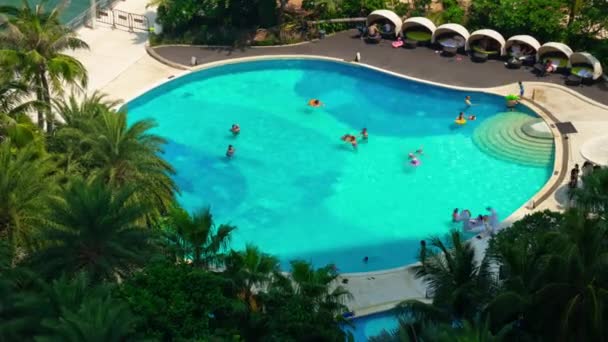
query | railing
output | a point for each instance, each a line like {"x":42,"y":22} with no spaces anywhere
{"x":82,"y":17}
{"x":125,"y":19}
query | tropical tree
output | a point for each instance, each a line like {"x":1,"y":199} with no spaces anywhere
{"x":33,"y":42}
{"x":574,"y":294}
{"x":459,"y":284}
{"x":593,"y":195}
{"x":79,"y":310}
{"x":95,"y":229}
{"x":14,"y":123}
{"x":306,"y":305}
{"x":179,"y":302}
{"x":125,"y":154}
{"x":195,"y":237}
{"x":77,"y":111}
{"x":23,"y":193}
{"x":251,"y":269}
{"x":69,"y":144}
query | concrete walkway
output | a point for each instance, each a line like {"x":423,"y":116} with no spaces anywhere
{"x":117,"y":55}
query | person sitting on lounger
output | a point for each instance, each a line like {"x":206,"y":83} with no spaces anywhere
{"x":387,"y":28}
{"x":549,"y":67}
{"x":372,"y":31}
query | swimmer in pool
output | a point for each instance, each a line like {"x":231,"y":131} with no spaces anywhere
{"x":455,"y":215}
{"x":315,"y":103}
{"x":235,"y":129}
{"x":420,"y":150}
{"x":467,"y":101}
{"x":472,"y":117}
{"x":411,"y":155}
{"x":230,"y":151}
{"x":364,"y":134}
{"x":460,"y":116}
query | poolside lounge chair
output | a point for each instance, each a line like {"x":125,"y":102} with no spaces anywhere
{"x":573,"y":80}
{"x":375,"y":39}
{"x":479,"y":57}
{"x":363,"y":31}
{"x":449,"y":50}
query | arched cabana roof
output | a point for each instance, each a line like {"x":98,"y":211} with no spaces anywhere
{"x":554,"y":47}
{"x":418,"y":21}
{"x":487,"y":33}
{"x":588,"y":59}
{"x":447,"y":28}
{"x":523,"y":39}
{"x":385,"y":14}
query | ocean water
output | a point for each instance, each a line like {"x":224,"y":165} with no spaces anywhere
{"x":297,"y":191}
{"x":72,"y":10}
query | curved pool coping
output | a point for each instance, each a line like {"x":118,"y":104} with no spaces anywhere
{"x":561,"y":148}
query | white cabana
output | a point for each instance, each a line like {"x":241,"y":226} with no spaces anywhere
{"x":418,"y":21}
{"x":590,"y":66}
{"x":554,"y":47}
{"x":523,"y":39}
{"x":385,"y":15}
{"x":451,"y":28}
{"x":487,"y":34}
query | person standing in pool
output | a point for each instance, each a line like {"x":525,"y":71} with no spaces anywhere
{"x":235,"y":129}
{"x":467,"y":101}
{"x":230,"y":152}
{"x":364,"y":134}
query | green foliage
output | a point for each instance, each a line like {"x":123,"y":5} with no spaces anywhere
{"x":541,"y":18}
{"x":33,"y":43}
{"x":177,"y":302}
{"x":25,"y":189}
{"x":195,"y":237}
{"x":452,"y":13}
{"x":94,"y":229}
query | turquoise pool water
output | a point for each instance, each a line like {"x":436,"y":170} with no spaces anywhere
{"x":372,"y":325}
{"x":296,"y":190}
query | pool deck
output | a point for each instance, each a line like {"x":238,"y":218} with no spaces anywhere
{"x":132,"y":72}
{"x":422,"y":62}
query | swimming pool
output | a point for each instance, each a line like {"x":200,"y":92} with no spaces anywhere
{"x":372,"y":325}
{"x":297,"y":191}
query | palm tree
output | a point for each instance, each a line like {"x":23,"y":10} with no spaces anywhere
{"x":14,"y":123}
{"x":593,"y":196}
{"x":574,"y":292}
{"x":94,"y":229}
{"x":69,"y":144}
{"x":251,"y":269}
{"x":124,"y":155}
{"x":458,"y":283}
{"x":76,"y":112}
{"x":83,"y":311}
{"x":195,"y":237}
{"x":25,"y":187}
{"x":13,"y":97}
{"x":33,"y":42}
{"x":318,"y":285}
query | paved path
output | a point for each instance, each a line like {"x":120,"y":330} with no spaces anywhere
{"x":112,"y":50}
{"x":421,"y":63}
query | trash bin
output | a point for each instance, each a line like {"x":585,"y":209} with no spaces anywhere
{"x":321,"y":34}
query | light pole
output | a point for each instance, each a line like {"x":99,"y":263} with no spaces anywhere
{"x":93,"y":11}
